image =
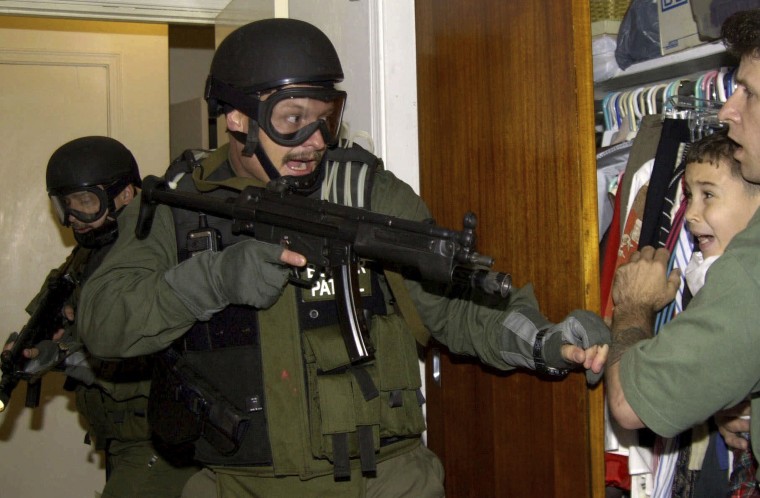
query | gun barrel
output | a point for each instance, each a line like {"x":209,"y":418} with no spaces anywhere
{"x":490,"y":282}
{"x":477,"y":259}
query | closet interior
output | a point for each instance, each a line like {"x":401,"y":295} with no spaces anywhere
{"x":647,"y":116}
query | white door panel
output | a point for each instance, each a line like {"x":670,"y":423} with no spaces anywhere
{"x":62,"y":80}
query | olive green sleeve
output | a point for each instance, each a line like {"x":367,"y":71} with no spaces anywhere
{"x":467,"y":323}
{"x":126,"y":307}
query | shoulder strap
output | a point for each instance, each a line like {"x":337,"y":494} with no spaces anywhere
{"x":349,"y":175}
{"x":406,"y":307}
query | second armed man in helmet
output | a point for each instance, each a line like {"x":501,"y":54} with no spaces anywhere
{"x":90,"y":180}
{"x":270,"y":352}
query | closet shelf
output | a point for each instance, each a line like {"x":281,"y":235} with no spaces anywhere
{"x":668,"y":67}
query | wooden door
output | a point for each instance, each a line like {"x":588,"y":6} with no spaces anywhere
{"x":506,"y":129}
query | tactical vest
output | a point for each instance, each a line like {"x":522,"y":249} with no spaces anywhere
{"x":245,"y":392}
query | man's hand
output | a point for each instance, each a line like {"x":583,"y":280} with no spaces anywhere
{"x":582,"y":338}
{"x":31,"y":353}
{"x":641,"y":283}
{"x":250,"y":272}
{"x":592,"y":358}
{"x":640,"y":289}
{"x":732,"y":423}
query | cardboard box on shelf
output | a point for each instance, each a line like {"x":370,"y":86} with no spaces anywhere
{"x":678,"y":30}
{"x":606,"y":27}
{"x":606,"y":16}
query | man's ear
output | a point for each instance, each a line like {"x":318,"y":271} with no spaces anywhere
{"x":126,"y":195}
{"x":237,"y":121}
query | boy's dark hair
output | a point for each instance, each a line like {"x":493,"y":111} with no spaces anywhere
{"x":741,"y":33}
{"x":714,"y":148}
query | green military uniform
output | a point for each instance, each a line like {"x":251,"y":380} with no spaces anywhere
{"x":115,"y":408}
{"x":310,"y":400}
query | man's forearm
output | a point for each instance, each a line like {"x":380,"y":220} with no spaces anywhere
{"x":619,"y":408}
{"x":624,"y":339}
{"x":629,"y":326}
{"x":617,"y":403}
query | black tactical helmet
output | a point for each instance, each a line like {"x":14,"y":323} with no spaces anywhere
{"x":90,"y":161}
{"x":269,"y":54}
{"x":84,"y":177}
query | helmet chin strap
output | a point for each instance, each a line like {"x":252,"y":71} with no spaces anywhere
{"x":303,"y":185}
{"x":266,"y":163}
{"x":251,"y":146}
{"x":105,"y":234}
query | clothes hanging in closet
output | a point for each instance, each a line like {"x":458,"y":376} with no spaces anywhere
{"x":649,"y":210}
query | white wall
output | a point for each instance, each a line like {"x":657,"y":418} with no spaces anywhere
{"x":63,"y":79}
{"x":375,"y":41}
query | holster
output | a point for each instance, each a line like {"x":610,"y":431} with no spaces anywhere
{"x":182,"y":407}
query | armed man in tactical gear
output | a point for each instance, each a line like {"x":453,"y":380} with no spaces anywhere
{"x":90,"y":180}
{"x":254,"y":374}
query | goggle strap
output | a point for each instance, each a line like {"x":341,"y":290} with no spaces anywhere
{"x":230,"y":95}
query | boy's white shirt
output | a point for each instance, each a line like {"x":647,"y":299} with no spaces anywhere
{"x":696,"y":271}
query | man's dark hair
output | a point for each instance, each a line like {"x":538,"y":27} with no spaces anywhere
{"x":741,"y":33}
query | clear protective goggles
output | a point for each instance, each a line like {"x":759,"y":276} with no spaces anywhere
{"x":86,"y":204}
{"x":291,"y":115}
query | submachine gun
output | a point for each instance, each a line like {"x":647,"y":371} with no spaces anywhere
{"x":46,"y":319}
{"x":334,"y":238}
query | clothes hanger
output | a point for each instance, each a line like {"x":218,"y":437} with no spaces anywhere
{"x":710,"y":92}
{"x":610,"y":117}
{"x":619,"y":111}
{"x":721,"y":85}
{"x":638,"y":107}
{"x":652,"y":97}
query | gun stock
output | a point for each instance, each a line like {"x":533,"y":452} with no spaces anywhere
{"x":334,"y":238}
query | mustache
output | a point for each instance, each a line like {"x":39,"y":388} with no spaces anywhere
{"x":304,"y":156}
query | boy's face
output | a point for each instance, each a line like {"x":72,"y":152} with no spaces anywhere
{"x":720,"y":205}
